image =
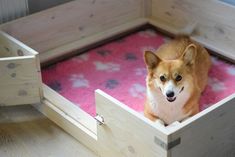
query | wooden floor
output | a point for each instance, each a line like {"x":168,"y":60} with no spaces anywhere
{"x":25,"y":132}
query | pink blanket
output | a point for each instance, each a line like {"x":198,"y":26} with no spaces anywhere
{"x":118,"y":69}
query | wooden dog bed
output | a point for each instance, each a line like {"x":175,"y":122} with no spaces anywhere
{"x":118,"y":69}
{"x":79,"y":25}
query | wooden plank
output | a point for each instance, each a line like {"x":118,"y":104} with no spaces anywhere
{"x":148,"y":139}
{"x":90,"y":40}
{"x":217,"y":48}
{"x":19,"y":81}
{"x":26,"y":132}
{"x":70,"y":109}
{"x":20,"y":72}
{"x":215,"y":25}
{"x":147,"y":8}
{"x":126,"y":132}
{"x":69,"y":124}
{"x":39,"y":76}
{"x":117,"y":138}
{"x":189,"y":30}
{"x":10,"y":47}
{"x":209,"y":133}
{"x":72,"y":21}
{"x":71,"y":118}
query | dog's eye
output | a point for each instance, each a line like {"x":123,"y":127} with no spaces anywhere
{"x":162,"y":78}
{"x":178,"y":78}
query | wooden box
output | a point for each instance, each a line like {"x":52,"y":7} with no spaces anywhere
{"x":19,"y":73}
{"x":83,"y":24}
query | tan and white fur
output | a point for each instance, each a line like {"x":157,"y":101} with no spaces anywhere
{"x":177,"y":75}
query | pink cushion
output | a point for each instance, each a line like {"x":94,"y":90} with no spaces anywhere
{"x":118,"y":69}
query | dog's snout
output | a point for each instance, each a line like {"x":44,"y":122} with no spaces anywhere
{"x":170,"y":94}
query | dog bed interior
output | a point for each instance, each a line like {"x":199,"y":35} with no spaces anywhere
{"x":118,"y":69}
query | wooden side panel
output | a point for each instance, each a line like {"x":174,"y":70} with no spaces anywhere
{"x":213,"y":21}
{"x":72,"y":21}
{"x":87,"y":42}
{"x":19,"y":81}
{"x":69,"y":124}
{"x":209,"y":133}
{"x":10,"y":47}
{"x":69,"y":108}
{"x":147,"y":8}
{"x":20,"y":77}
{"x":71,"y":118}
{"x":125,"y":132}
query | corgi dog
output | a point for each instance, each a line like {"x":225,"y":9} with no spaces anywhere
{"x":176,"y":76}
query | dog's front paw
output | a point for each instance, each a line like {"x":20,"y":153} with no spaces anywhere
{"x":159,"y":122}
{"x":185,"y":119}
{"x":173,"y":125}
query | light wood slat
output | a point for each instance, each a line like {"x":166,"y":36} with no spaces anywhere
{"x":90,"y":40}
{"x":102,"y":142}
{"x":126,"y":132}
{"x":215,"y":24}
{"x":209,"y":133}
{"x":19,"y":81}
{"x":69,"y":124}
{"x":72,"y":21}
{"x":69,"y":108}
{"x":10,"y":47}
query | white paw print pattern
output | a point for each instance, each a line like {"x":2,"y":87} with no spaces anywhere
{"x":140,"y":71}
{"x":231,"y":70}
{"x":79,"y":81}
{"x":137,"y":90}
{"x":148,"y":48}
{"x":148,"y":33}
{"x":81,"y":58}
{"x":108,"y":67}
{"x":216,"y":85}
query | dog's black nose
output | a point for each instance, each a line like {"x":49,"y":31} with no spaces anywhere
{"x":170,"y":94}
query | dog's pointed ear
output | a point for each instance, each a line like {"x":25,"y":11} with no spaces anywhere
{"x":189,"y":54}
{"x":151,"y":59}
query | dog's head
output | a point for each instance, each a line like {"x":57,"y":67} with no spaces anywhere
{"x":171,"y":77}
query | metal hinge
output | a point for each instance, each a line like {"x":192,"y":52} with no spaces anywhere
{"x":167,"y":146}
{"x":99,"y":119}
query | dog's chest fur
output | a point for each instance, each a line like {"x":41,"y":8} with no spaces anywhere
{"x":165,"y":110}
